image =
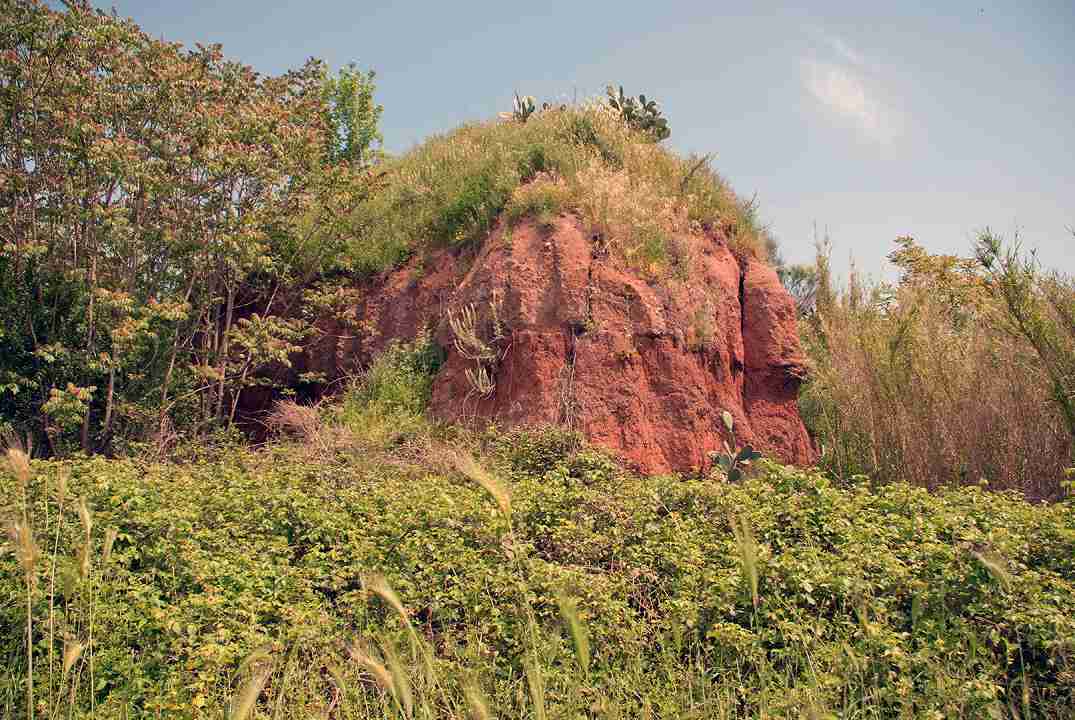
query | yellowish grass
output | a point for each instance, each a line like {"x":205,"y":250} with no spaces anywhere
{"x":923,"y":384}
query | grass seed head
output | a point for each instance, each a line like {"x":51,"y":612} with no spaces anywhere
{"x":374,"y":667}
{"x":379,"y":586}
{"x":72,"y":651}
{"x":21,"y":537}
{"x":468,"y":466}
{"x":244,"y":702}
{"x":580,"y":640}
{"x":19,"y":463}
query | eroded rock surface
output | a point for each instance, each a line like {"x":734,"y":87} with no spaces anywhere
{"x":640,"y":366}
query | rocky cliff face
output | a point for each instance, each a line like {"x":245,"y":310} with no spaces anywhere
{"x":549,"y":330}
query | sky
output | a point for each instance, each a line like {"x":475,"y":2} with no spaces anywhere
{"x":859,"y":121}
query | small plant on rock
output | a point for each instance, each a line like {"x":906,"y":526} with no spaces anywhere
{"x":471,"y":346}
{"x":732,"y":461}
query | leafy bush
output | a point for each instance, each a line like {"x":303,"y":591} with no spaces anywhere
{"x":156,"y":199}
{"x":762,"y":598}
{"x":388,"y":402}
{"x":928,"y":381}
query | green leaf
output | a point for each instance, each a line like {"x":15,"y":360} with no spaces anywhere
{"x":746,"y":453}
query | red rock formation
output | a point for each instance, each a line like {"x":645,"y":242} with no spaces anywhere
{"x":639,"y":366}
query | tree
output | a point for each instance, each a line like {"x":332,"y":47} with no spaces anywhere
{"x":351,"y":116}
{"x":153,"y":201}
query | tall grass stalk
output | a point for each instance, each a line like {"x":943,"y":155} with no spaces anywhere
{"x":580,"y":640}
{"x":26,"y":551}
{"x":747,"y":548}
{"x":61,"y":498}
{"x":247,"y":698}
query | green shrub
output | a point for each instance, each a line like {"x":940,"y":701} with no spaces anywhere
{"x":389,"y":400}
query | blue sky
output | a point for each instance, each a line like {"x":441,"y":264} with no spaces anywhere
{"x":872,"y":123}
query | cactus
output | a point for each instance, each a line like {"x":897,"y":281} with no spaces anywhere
{"x":640,"y":114}
{"x":731,"y":462}
{"x":524,"y":107}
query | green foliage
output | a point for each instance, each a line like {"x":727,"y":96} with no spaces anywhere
{"x":733,"y":460}
{"x":254,"y":575}
{"x":155,"y":201}
{"x":641,"y":114}
{"x":388,"y":403}
{"x":351,"y":116}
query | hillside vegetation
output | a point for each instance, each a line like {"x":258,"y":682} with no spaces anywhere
{"x":635,"y":194}
{"x":167,"y":210}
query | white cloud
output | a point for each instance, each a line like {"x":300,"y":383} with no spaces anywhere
{"x":849,"y":97}
{"x":836,"y":45}
{"x":845,"y":51}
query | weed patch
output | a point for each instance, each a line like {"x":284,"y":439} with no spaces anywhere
{"x":536,"y":578}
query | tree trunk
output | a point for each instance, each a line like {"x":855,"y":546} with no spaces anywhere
{"x":222,"y":365}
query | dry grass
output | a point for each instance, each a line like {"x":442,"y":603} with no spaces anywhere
{"x":306,"y":423}
{"x":925,"y":386}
